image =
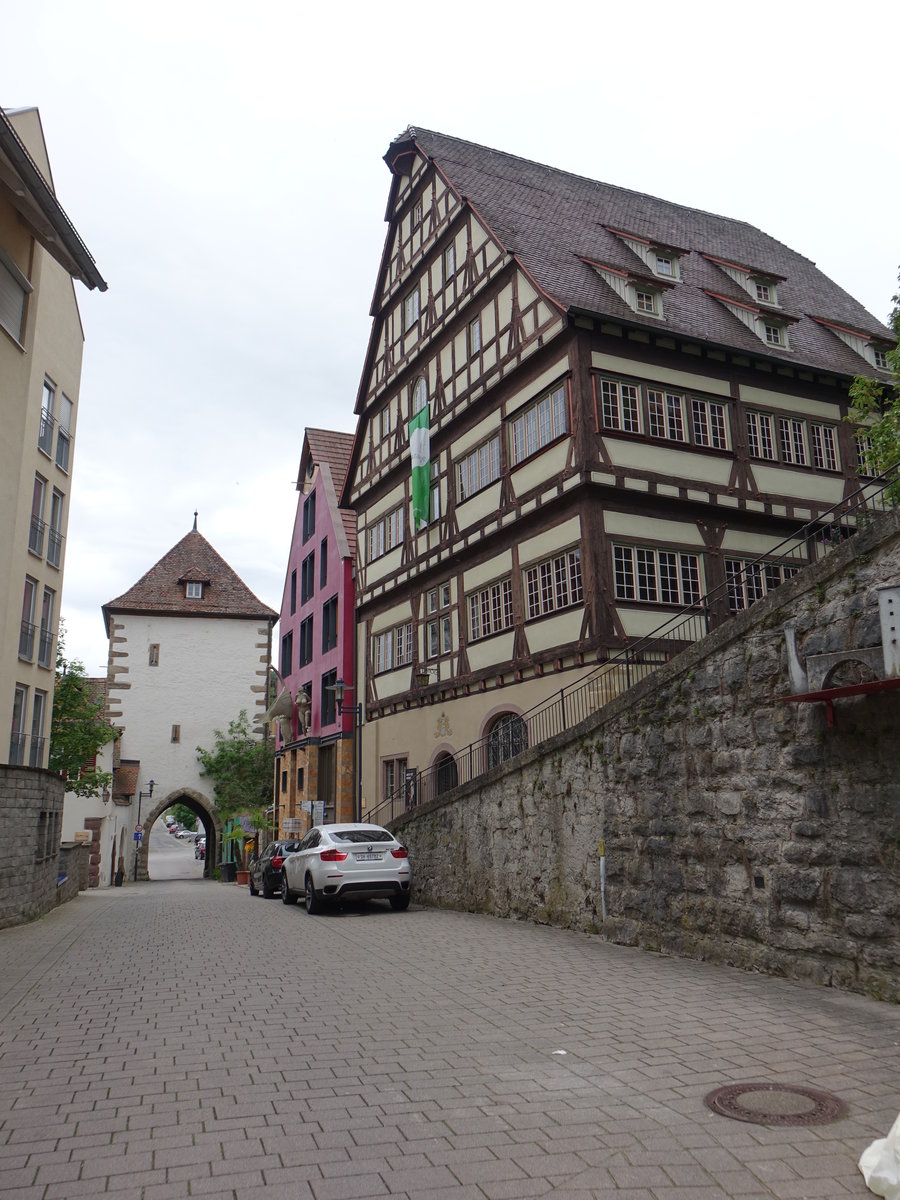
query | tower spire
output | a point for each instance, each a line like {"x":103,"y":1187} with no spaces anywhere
{"x":195,"y":520}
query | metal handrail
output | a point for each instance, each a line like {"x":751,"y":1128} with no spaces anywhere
{"x":638,"y":659}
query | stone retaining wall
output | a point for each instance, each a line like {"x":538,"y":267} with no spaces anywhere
{"x":31,"y":804}
{"x":737,"y":829}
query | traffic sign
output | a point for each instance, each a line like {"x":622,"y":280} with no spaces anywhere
{"x":138,"y":837}
{"x":138,"y":829}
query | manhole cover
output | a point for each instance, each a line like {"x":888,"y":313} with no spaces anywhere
{"x":775,"y":1104}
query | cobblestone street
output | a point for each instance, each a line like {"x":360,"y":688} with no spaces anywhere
{"x":179,"y":1038}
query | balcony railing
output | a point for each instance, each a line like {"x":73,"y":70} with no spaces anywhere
{"x":45,"y":645}
{"x":45,"y":434}
{"x":36,"y":537}
{"x":62,"y":450}
{"x":26,"y":641}
{"x":54,"y":547}
{"x":17,"y":750}
{"x":36,"y":752}
{"x":635,"y":661}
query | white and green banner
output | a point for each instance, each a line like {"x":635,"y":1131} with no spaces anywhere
{"x":420,"y":453}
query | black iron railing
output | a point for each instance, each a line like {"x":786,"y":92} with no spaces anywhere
{"x":640,"y":658}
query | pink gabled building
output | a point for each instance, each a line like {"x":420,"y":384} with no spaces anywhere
{"x":315,"y":749}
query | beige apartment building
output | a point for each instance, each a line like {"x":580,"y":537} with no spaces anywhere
{"x":41,"y":341}
{"x":617,"y":403}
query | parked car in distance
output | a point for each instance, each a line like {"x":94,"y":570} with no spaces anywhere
{"x":173,"y":828}
{"x":169,"y":820}
{"x":187,"y":833}
{"x":350,"y":861}
{"x":265,"y":871}
{"x":200,"y":847}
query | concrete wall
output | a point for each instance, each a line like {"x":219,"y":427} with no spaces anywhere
{"x":736,"y":829}
{"x":31,"y":860}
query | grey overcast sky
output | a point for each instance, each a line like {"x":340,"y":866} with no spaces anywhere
{"x":223,"y":164}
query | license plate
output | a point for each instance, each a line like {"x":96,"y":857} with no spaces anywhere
{"x":368,"y":858}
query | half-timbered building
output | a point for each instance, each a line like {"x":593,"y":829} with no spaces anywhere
{"x":623,"y":401}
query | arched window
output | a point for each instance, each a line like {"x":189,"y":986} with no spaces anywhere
{"x":508,"y":737}
{"x":419,"y":397}
{"x":446,"y":775}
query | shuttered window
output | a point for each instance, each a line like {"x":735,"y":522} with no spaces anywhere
{"x":14,"y":287}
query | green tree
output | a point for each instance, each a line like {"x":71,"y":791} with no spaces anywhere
{"x":240,"y":766}
{"x":78,"y":728}
{"x":184,"y":816}
{"x":875,"y":407}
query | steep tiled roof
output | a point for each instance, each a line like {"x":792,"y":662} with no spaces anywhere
{"x":552,"y":221}
{"x":335,"y":449}
{"x":162,"y":589}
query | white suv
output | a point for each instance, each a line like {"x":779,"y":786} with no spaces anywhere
{"x":352,"y":861}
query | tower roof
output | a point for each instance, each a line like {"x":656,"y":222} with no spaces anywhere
{"x":163,"y":590}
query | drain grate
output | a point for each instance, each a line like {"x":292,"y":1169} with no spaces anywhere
{"x":775,"y":1104}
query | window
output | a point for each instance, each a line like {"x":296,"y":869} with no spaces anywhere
{"x":708,"y":422}
{"x":748,"y":582}
{"x":507,"y":738}
{"x":656,"y":576}
{"x":293,"y":591}
{"x":419,"y":397}
{"x":664,"y":265}
{"x":479,"y":468}
{"x":385,"y":534}
{"x":48,"y":404}
{"x":450,"y":261}
{"x":864,"y":453}
{"x":27,"y":629}
{"x":394,"y":775}
{"x":384,"y":421}
{"x":490,"y":610}
{"x":299,"y":779}
{"x":153,"y":655}
{"x":645,"y":302}
{"x":305,"y":649}
{"x":393,"y":648}
{"x":309,"y":516}
{"x":764,"y":293}
{"x":881,"y":359}
{"x":666,"y":411}
{"x":434,"y":512}
{"x":287,"y":653}
{"x":438,"y":632}
{"x":824,"y":447}
{"x":36,"y":529}
{"x":553,"y":584}
{"x":54,"y":534}
{"x":330,"y":624}
{"x":329,"y":704}
{"x":45,"y":637}
{"x":446,"y":774}
{"x":792,"y":441}
{"x":14,"y":287}
{"x":619,"y":406}
{"x":475,"y":336}
{"x":176,"y":733}
{"x":63,"y":435}
{"x":193,"y":589}
{"x":417,"y":212}
{"x":36,"y":753}
{"x":760,"y":435}
{"x":323,"y":562}
{"x":308,"y":577}
{"x":774,"y":335}
{"x":17,"y":731}
{"x":411,"y":310}
{"x":539,"y":425}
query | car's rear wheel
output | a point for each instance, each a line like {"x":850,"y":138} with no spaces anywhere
{"x":254,"y":891}
{"x":313,"y":900}
{"x":400,"y":903}
{"x":267,"y":890}
{"x":287,"y":896}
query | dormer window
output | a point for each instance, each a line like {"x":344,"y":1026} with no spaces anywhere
{"x":774,"y":335}
{"x":665,"y":265}
{"x":881,"y":358}
{"x":193,"y":589}
{"x":765,"y":293}
{"x":647,"y":302}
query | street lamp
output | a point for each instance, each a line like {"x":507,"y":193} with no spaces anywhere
{"x":137,"y":845}
{"x":423,"y":674}
{"x":339,"y":687}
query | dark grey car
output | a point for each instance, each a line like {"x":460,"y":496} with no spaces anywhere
{"x":265,"y":871}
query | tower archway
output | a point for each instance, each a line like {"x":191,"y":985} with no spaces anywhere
{"x":205,"y":811}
